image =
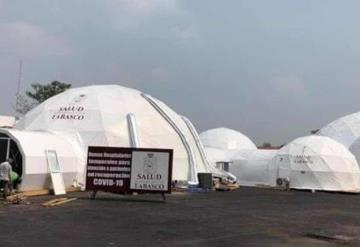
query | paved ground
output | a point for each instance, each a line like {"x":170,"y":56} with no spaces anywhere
{"x":246,"y":217}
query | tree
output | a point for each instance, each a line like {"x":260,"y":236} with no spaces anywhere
{"x":23,"y":105}
{"x":40,"y":92}
{"x":266,"y":145}
{"x":314,"y":132}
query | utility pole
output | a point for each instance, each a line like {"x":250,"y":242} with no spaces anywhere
{"x":18,"y":87}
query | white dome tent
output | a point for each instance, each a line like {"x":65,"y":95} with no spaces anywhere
{"x":316,"y":163}
{"x":226,"y":139}
{"x":115,"y":116}
{"x":344,"y":130}
{"x":221,"y":144}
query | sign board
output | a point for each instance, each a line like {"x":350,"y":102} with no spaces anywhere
{"x":127,"y":170}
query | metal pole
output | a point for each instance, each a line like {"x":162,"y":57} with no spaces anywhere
{"x":132,"y":127}
{"x":8,"y":150}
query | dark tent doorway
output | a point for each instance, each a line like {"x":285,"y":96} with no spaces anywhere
{"x":9,"y":149}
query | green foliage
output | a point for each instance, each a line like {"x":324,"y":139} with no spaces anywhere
{"x":266,"y":145}
{"x":40,"y":93}
{"x":23,"y":105}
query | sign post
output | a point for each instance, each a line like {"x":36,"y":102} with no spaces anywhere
{"x":129,"y":170}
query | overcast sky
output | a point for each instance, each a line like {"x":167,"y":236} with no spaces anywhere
{"x":273,"y":70}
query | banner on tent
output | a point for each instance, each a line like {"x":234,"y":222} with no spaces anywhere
{"x":127,"y":170}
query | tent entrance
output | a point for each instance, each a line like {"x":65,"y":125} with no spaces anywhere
{"x":9,"y":149}
{"x":4,"y":148}
{"x":283,"y":168}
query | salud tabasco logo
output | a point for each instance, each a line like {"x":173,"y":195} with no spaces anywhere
{"x":150,"y":178}
{"x":150,"y":165}
{"x":74,"y":111}
{"x":69,"y":113}
{"x":303,"y":159}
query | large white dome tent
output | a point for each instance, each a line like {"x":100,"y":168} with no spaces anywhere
{"x":344,"y":130}
{"x":112,"y":115}
{"x":316,"y":163}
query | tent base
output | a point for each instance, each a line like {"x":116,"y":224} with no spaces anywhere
{"x":263,"y":186}
{"x":328,"y":191}
{"x":47,"y":192}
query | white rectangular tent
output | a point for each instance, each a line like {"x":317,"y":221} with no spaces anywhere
{"x":32,"y":147}
{"x":252,"y":167}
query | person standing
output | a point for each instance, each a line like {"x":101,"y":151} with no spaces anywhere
{"x":5,"y":176}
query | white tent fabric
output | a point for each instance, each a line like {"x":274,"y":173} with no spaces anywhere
{"x":251,"y":167}
{"x":344,"y":130}
{"x":316,"y":163}
{"x":97,"y":116}
{"x":33,"y":146}
{"x":226,"y":139}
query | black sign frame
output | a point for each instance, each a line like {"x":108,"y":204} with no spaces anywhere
{"x":126,"y":188}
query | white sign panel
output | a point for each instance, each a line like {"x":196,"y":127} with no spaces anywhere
{"x":55,"y":172}
{"x":150,"y":171}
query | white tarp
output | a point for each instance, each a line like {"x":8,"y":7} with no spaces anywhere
{"x":97,"y":116}
{"x":226,"y":139}
{"x":316,"y":162}
{"x":344,"y":130}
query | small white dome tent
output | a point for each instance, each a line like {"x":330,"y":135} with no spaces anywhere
{"x":112,"y":115}
{"x":251,"y":167}
{"x":227,"y":139}
{"x":344,"y":130}
{"x":316,"y":163}
{"x":221,"y":144}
